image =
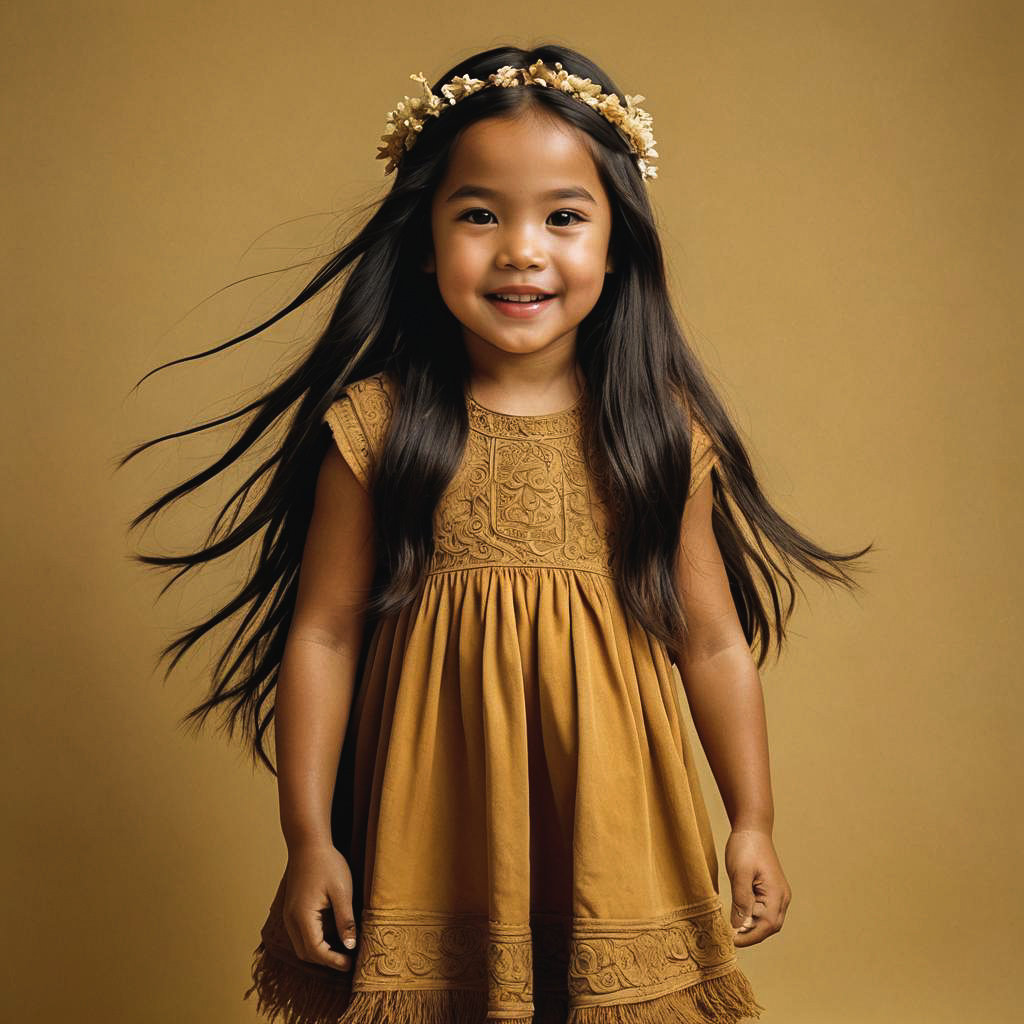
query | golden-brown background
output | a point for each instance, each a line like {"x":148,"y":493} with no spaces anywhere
{"x":840,"y":201}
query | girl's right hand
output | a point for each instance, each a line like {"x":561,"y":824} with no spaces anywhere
{"x":319,"y":879}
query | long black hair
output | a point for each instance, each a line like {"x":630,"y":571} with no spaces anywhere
{"x":641,"y":376}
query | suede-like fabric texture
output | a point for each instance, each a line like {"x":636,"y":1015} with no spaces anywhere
{"x":516,"y":796}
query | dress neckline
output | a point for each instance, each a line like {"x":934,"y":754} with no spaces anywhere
{"x":509,"y":424}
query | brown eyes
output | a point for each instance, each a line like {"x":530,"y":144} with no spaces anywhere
{"x":557,"y":213}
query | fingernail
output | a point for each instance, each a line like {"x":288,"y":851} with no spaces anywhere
{"x":350,"y":942}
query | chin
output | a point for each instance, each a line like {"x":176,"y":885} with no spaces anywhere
{"x":521,"y":348}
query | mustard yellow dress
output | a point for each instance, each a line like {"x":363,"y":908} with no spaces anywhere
{"x":516,"y":794}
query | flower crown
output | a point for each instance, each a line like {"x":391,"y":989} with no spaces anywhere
{"x":406,"y":121}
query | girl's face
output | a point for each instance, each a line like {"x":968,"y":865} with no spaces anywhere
{"x":521,"y":203}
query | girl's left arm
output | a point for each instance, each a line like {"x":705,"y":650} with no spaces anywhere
{"x":724,"y":693}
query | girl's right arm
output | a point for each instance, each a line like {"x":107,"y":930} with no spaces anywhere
{"x":316,"y":681}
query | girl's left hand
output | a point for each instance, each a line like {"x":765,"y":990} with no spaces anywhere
{"x":760,"y":892}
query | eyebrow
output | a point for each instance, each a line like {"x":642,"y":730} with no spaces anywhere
{"x":573,"y":192}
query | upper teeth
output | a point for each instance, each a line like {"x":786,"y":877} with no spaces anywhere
{"x":520,"y":298}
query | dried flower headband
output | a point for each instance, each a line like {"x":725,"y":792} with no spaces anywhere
{"x":406,"y":121}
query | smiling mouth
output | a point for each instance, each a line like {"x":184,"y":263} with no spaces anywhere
{"x":518,"y":309}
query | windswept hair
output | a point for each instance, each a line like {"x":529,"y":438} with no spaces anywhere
{"x":641,"y":375}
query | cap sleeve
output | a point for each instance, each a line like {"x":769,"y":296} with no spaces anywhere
{"x":702,"y":456}
{"x":359,"y":421}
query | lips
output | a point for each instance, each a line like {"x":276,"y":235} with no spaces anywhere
{"x":513,"y":308}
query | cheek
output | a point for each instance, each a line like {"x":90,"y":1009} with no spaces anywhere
{"x":584,"y":269}
{"x":458,"y":266}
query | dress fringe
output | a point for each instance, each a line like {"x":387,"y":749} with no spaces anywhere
{"x":722,"y":1000}
{"x":307,"y":994}
{"x":315,"y":994}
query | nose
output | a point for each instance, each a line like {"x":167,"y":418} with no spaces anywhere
{"x":519,"y":248}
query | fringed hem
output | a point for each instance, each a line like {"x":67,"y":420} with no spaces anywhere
{"x":297,"y":994}
{"x":311,"y":994}
{"x":722,"y":1000}
{"x":418,"y":1006}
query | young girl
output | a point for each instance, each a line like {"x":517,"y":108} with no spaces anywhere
{"x":520,"y":522}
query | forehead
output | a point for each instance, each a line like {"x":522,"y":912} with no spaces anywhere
{"x":532,"y":152}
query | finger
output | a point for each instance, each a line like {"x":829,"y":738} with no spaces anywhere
{"x":768,"y":906}
{"x":757,"y":910}
{"x":742,"y":900}
{"x":344,"y":919}
{"x":767,"y":916}
{"x":763,"y":893}
{"x":772,"y":910}
{"x":325,"y":955}
{"x":750,"y":920}
{"x":749,"y":937}
{"x":314,"y":945}
{"x":310,"y":934}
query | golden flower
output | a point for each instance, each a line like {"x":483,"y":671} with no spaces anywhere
{"x":461,"y":86}
{"x":505,"y":77}
{"x":406,"y":121}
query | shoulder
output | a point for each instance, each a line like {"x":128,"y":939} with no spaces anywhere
{"x":371,"y":399}
{"x":703,"y":454}
{"x":359,"y":420}
{"x":369,"y":395}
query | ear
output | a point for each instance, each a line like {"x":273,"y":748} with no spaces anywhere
{"x":428,"y":265}
{"x":609,"y":266}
